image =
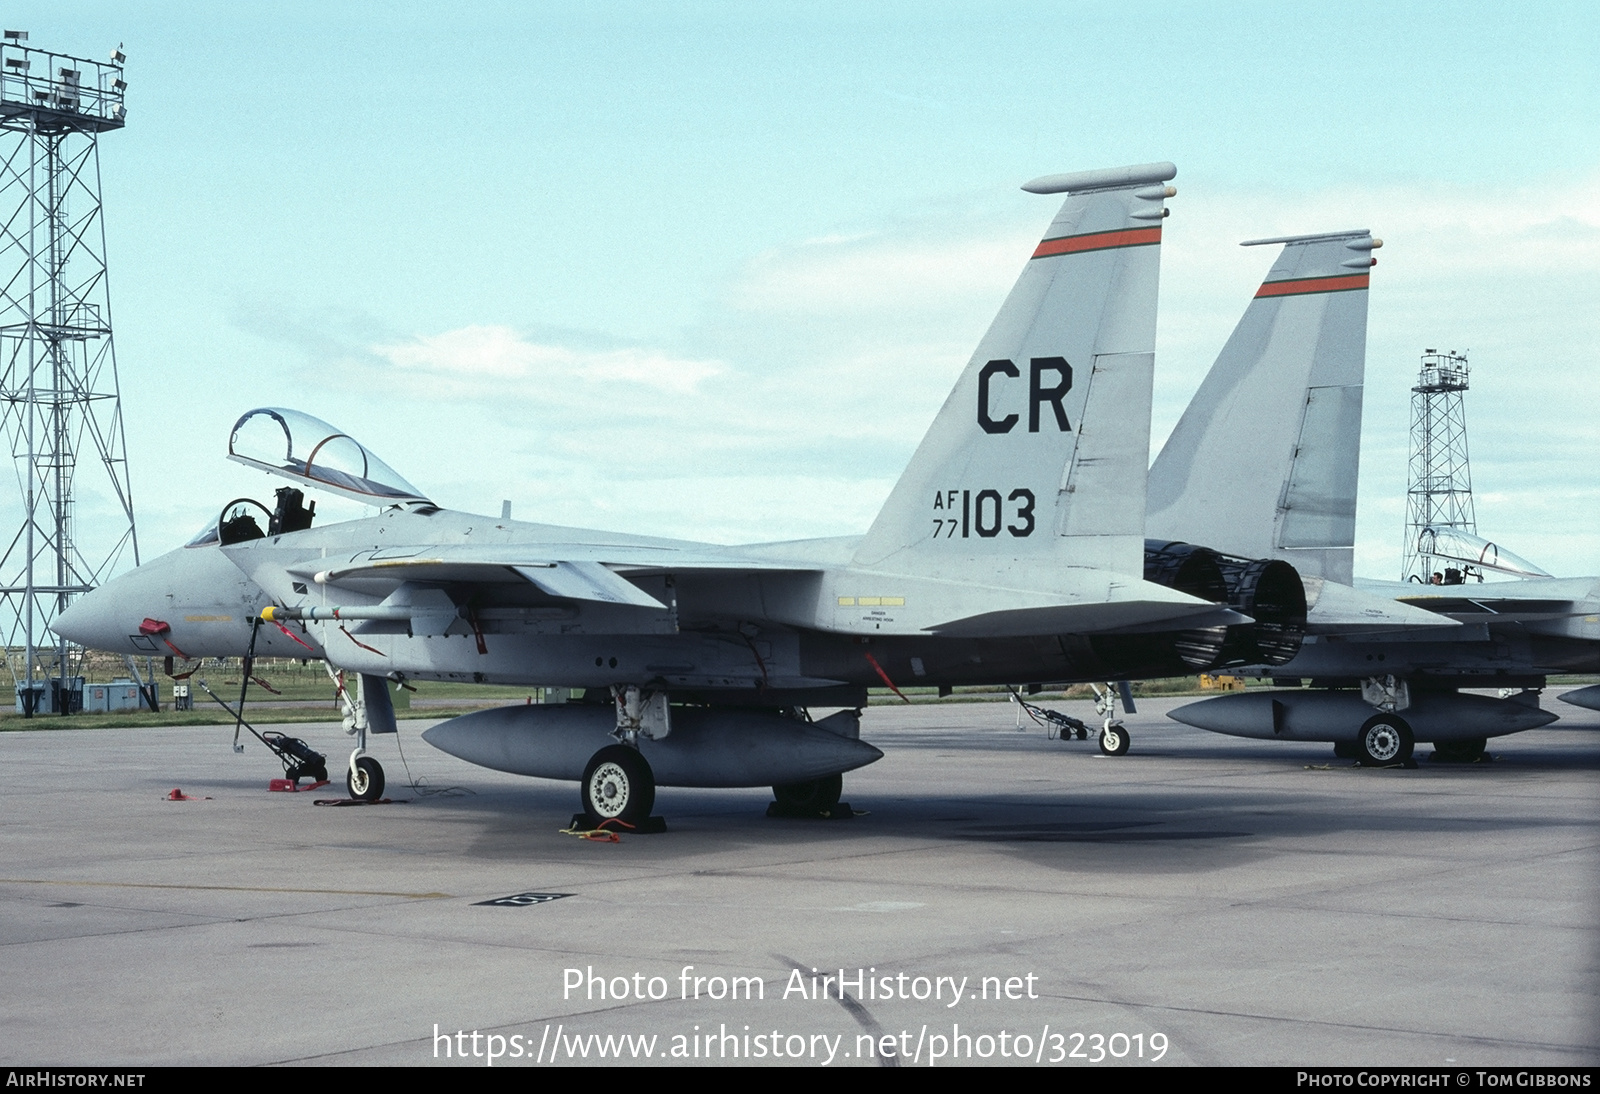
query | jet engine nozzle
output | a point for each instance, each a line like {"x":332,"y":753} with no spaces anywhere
{"x":1269,"y":591}
{"x":1186,"y":569}
{"x":1193,"y":570}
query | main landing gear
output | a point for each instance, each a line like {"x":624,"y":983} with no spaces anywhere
{"x":815,"y":799}
{"x":617,"y":783}
{"x":816,"y":796}
{"x":1471,"y":751}
{"x":1384,"y":741}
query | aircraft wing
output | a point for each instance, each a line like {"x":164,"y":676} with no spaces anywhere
{"x":1531,"y":600}
{"x":1478,"y":609}
{"x":1374,"y":607}
{"x":1556,"y":607}
{"x":591,"y":572}
{"x":600,"y":573}
{"x":1134,"y":608}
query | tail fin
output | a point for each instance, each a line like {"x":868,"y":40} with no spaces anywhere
{"x":1038,"y":457}
{"x":1263,"y":462}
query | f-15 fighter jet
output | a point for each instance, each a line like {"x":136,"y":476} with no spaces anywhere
{"x":1263,"y":462}
{"x":1011,"y":551}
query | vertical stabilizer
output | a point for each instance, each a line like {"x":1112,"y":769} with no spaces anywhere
{"x":1263,"y":462}
{"x":1037,"y":460}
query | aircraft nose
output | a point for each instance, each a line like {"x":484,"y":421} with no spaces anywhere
{"x":91,"y":622}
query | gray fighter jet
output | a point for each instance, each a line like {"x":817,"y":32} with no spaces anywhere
{"x":1264,"y":462}
{"x":1011,"y":551}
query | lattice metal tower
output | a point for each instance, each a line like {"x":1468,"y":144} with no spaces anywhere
{"x":1440,"y":492}
{"x":60,"y":404}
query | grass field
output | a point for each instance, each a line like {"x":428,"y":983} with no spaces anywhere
{"x":302,"y":692}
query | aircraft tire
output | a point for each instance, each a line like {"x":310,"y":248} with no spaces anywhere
{"x":1346,"y":750}
{"x":818,"y":794}
{"x":618,"y":785}
{"x":1460,"y":752}
{"x":365,"y":780}
{"x":1385,"y":740}
{"x":1114,"y":741}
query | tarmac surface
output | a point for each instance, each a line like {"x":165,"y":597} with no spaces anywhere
{"x":1201,"y":900}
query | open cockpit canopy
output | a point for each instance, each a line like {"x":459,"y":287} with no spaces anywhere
{"x":1477,"y":553}
{"x":310,"y":451}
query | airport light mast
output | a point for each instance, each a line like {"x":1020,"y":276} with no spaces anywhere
{"x":1439,"y":494}
{"x":60,"y":402}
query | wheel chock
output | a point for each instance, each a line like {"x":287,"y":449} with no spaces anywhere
{"x":291,"y":786}
{"x":1444,"y":758}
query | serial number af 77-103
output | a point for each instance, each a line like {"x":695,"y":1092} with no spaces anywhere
{"x":982,"y":513}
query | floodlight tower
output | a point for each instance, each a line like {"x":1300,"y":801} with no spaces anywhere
{"x":60,"y":403}
{"x":1440,"y":492}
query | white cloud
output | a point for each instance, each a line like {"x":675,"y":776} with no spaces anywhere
{"x":887,"y":275}
{"x":481,"y":360}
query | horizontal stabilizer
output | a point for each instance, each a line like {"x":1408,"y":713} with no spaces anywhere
{"x":1332,"y":608}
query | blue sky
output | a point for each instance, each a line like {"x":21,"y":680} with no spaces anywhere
{"x":708,"y":269}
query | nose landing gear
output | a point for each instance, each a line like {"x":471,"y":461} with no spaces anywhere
{"x":365,"y":778}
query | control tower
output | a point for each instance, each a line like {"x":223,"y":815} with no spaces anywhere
{"x":60,"y":403}
{"x":1439,"y":494}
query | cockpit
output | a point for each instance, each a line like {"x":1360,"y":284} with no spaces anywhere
{"x":297,"y":446}
{"x":1475,"y":553}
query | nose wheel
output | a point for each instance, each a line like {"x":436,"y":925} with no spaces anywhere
{"x":1114,"y":739}
{"x":365,"y":779}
